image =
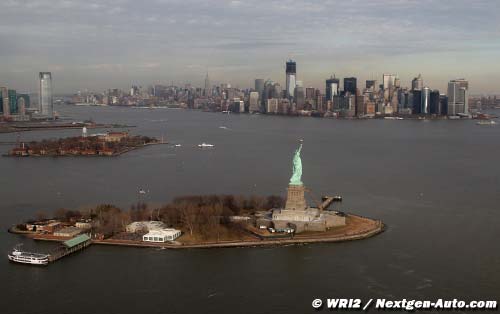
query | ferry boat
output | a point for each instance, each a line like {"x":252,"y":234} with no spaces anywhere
{"x":205,"y":145}
{"x":19,"y":256}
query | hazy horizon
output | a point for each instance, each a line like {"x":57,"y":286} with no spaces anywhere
{"x":96,"y":46}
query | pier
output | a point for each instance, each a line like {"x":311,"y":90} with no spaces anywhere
{"x":70,"y":246}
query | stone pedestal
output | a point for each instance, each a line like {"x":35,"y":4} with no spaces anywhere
{"x":295,"y":199}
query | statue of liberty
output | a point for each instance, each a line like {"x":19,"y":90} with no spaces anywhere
{"x":297,"y":167}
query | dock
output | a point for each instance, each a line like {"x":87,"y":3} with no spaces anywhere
{"x":70,"y":246}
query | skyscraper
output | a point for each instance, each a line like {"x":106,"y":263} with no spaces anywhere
{"x":350,"y":85}
{"x":291,"y":76}
{"x":208,"y":91}
{"x":417,"y":101}
{"x":388,"y":80}
{"x":267,"y":93}
{"x":457,"y":97}
{"x":443,"y":104}
{"x":426,"y":97}
{"x":46,"y":106}
{"x":5,"y":101}
{"x":332,"y":88}
{"x":371,"y":84}
{"x":13,"y":101}
{"x":300,"y":97}
{"x":434,"y":104}
{"x":21,"y":105}
{"x":259,"y":86}
{"x":310,"y":92}
{"x":254,"y":105}
{"x":417,"y":83}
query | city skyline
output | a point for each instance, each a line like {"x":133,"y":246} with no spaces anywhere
{"x":122,"y":43}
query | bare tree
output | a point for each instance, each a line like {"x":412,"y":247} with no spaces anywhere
{"x":189,"y":217}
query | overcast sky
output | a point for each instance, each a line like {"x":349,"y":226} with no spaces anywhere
{"x":117,"y":43}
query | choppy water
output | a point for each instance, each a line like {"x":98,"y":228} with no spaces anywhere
{"x":435,"y":184}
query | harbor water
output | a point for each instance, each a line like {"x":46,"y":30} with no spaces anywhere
{"x":434,"y":183}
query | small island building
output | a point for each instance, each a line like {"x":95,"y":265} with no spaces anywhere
{"x":161,"y":235}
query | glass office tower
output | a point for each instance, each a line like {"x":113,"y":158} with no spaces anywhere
{"x":46,"y":106}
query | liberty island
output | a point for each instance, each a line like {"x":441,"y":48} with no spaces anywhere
{"x":290,"y":221}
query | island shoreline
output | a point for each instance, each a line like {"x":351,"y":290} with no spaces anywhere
{"x":378,"y":228}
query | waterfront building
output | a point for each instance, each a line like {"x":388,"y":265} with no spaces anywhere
{"x":299,"y":96}
{"x":344,"y":105}
{"x":26,"y":98}
{"x":46,"y":106}
{"x":350,"y":85}
{"x":403,"y":96}
{"x":443,"y":104}
{"x":369,"y":108}
{"x":284,"y":106}
{"x":417,"y":101}
{"x":161,"y":235}
{"x":68,"y":232}
{"x":12,"y":95}
{"x":332,"y":88}
{"x":361,"y":101}
{"x":4,"y":97}
{"x":458,"y":97}
{"x":259,"y":86}
{"x":291,"y":76}
{"x":254,"y":105}
{"x":426,"y":97}
{"x":238,"y":105}
{"x":417,"y":83}
{"x":272,"y":106}
{"x":21,"y":105}
{"x":434,"y":102}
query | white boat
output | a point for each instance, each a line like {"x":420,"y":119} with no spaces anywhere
{"x":488,"y":122}
{"x":19,"y":256}
{"x":205,"y":145}
{"x":177,"y":145}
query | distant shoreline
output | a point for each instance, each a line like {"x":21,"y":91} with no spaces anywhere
{"x":6,"y":128}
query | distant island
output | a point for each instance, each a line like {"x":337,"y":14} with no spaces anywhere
{"x":108,"y":144}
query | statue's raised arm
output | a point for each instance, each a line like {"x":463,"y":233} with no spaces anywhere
{"x":297,"y":168}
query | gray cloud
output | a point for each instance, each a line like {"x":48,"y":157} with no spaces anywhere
{"x":118,"y":42}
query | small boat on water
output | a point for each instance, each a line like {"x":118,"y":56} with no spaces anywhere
{"x":18,"y":256}
{"x":177,"y":145}
{"x":205,"y":145}
{"x":486,"y":122}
